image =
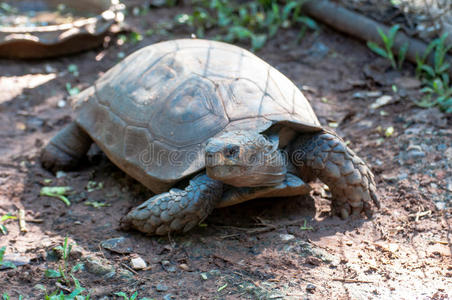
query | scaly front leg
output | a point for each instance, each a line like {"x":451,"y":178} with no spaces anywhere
{"x":350,"y":180}
{"x":176,"y":210}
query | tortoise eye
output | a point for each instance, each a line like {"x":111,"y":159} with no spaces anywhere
{"x":231,"y":151}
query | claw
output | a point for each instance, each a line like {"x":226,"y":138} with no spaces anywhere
{"x":368,"y":209}
{"x":345,"y":211}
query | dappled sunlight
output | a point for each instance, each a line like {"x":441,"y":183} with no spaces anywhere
{"x":13,"y":86}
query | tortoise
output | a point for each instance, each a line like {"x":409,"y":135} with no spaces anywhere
{"x":205,"y":124}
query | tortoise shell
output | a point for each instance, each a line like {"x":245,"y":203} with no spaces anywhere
{"x":153,"y":113}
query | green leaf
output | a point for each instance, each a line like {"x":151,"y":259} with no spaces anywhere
{"x":383,"y":36}
{"x":429,"y":48}
{"x":308,"y":22}
{"x":3,"y":229}
{"x":2,"y":253}
{"x":77,"y":291}
{"x":58,"y":192}
{"x":134,"y":296}
{"x":51,"y":273}
{"x":438,"y":86}
{"x":258,"y":41}
{"x":7,"y":217}
{"x":443,"y":68}
{"x":77,"y":267}
{"x":402,"y":53}
{"x":122,"y":294}
{"x":288,"y":8}
{"x":429,"y":70}
{"x":392,"y":33}
{"x":377,"y":49}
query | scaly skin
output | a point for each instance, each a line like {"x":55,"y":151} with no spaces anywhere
{"x":65,"y":149}
{"x":176,"y":210}
{"x":350,"y":180}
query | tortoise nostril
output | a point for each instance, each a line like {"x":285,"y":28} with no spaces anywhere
{"x":231,"y":151}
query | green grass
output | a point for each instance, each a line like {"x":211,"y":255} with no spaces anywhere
{"x":388,"y":42}
{"x":65,"y":276}
{"x":254,"y":21}
{"x":437,"y":85}
{"x":437,"y":88}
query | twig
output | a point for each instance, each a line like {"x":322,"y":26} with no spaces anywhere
{"x":22,"y":224}
{"x":345,"y":280}
{"x":129,"y":268}
{"x":31,"y":220}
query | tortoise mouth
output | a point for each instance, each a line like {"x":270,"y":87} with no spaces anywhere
{"x":240,"y":176}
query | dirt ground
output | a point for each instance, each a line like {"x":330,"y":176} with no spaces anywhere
{"x":264,"y":249}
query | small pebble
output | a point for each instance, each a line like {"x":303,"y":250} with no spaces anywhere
{"x":310,"y":288}
{"x":441,"y":147}
{"x":440,"y":205}
{"x":60,"y":174}
{"x":415,"y":154}
{"x":402,"y":176}
{"x":138,"y":263}
{"x":171,"y":269}
{"x":161,"y":287}
{"x":168,"y":297}
{"x":286,"y":237}
{"x":61,"y":103}
{"x":184,"y":267}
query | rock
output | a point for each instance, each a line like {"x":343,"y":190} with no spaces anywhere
{"x":14,"y":260}
{"x":402,"y":176}
{"x":441,"y":147}
{"x":126,"y":274}
{"x":184,"y":267}
{"x":61,"y":103}
{"x":138,"y":263}
{"x":98,"y":266}
{"x":119,"y":245}
{"x":286,"y":237}
{"x":408,"y":83}
{"x":168,"y":297}
{"x":415,"y":154}
{"x":312,"y":260}
{"x":161,"y":288}
{"x":310,"y":288}
{"x":440,"y":205}
{"x":381,"y":101}
{"x":171,"y":269}
{"x":367,"y":94}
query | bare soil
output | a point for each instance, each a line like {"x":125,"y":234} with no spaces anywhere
{"x":264,"y":249}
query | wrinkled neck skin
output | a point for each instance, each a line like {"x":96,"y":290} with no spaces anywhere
{"x":245,"y":159}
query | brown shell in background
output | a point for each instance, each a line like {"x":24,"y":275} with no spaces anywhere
{"x":60,"y":39}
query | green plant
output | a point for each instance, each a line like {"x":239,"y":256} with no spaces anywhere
{"x":125,"y":297}
{"x":254,"y":21}
{"x":6,"y":264}
{"x":4,"y":218}
{"x":387,"y":51}
{"x":64,"y":276}
{"x":438,"y":88}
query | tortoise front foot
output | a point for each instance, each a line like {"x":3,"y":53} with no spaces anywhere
{"x":176,"y":210}
{"x":350,"y":180}
{"x":65,"y":149}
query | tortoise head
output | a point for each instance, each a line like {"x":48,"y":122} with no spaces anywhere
{"x":245,"y":159}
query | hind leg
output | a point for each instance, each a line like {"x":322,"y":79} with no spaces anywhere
{"x":65,"y":149}
{"x":350,"y":180}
